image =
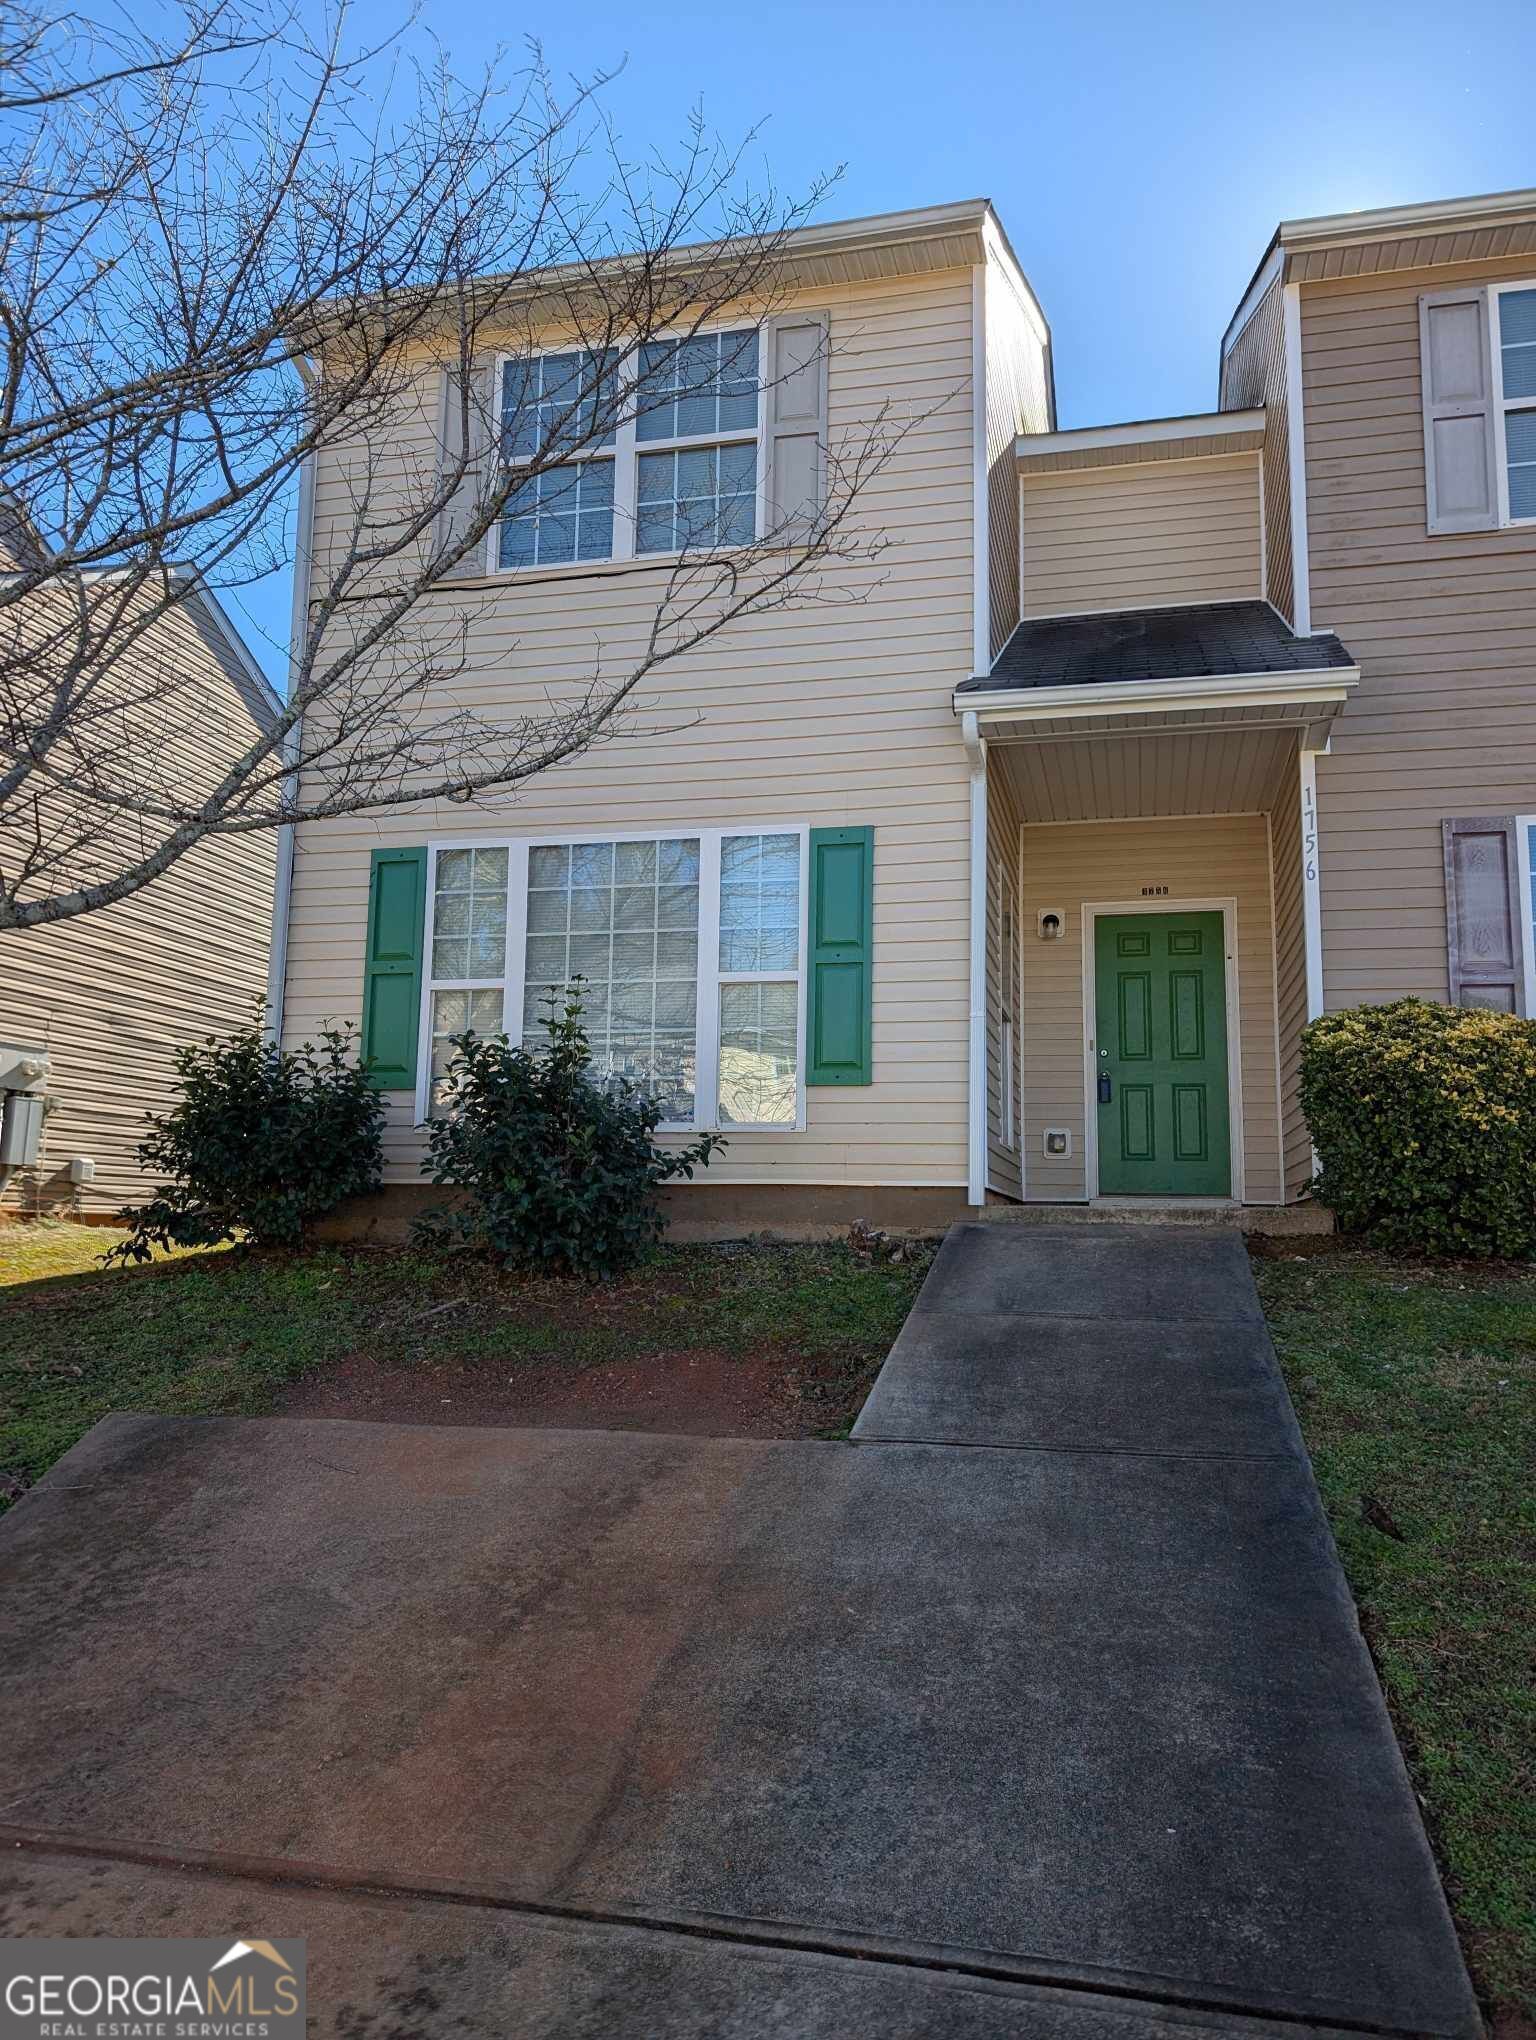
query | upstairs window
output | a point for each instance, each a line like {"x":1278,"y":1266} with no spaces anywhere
{"x":1516,"y":345}
{"x":563,"y":513}
{"x":676,"y":470}
{"x":703,"y":390}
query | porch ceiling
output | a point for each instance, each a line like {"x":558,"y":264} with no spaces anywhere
{"x":1107,"y":779}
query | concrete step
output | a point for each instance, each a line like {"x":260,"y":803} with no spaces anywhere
{"x":1274,"y":1221}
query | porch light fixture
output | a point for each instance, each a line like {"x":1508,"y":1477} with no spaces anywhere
{"x":1051,"y":924}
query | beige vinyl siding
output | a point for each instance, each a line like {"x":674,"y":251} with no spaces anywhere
{"x":1141,"y":536}
{"x":1003,"y":1170}
{"x":1290,"y":968}
{"x":1017,"y":400}
{"x":1444,"y":628}
{"x":1253,"y":372}
{"x":115,"y":993}
{"x":1072,"y":864}
{"x":836,"y":714}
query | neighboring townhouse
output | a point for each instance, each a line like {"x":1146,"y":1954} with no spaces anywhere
{"x":1018,"y":876}
{"x":109,"y":997}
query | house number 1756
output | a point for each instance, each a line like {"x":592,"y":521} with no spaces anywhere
{"x":1154,"y":892}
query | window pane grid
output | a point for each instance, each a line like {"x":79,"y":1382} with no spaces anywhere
{"x":1520,"y":452}
{"x":759,"y":904}
{"x":560,"y":515}
{"x":1517,"y":342}
{"x":759,"y":1054}
{"x":681,"y":473}
{"x":698,"y":388}
{"x":627,"y":918}
{"x":553,"y":399}
{"x":699,"y":496}
{"x":461,"y":1012}
{"x":759,"y":963}
{"x":469,"y":917}
{"x":624,"y":917}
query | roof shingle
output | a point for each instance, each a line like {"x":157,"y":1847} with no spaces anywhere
{"x":1203,"y":641}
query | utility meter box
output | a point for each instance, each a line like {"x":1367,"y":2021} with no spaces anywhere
{"x":23,"y":1068}
{"x":21,"y":1129}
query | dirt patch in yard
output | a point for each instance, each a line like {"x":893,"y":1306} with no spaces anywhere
{"x":746,"y":1340}
{"x":707,"y":1392}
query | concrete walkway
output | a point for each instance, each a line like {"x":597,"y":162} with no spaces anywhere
{"x":1059,"y":1727}
{"x":1103,"y":1339}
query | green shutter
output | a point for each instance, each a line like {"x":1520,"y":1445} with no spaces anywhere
{"x":842,"y":955}
{"x":397,"y":894}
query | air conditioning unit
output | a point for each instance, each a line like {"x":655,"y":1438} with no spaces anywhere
{"x":23,"y":1083}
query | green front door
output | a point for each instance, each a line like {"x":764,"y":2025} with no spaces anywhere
{"x":1160,"y":1055}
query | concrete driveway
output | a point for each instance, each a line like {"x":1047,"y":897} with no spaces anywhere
{"x":1044,"y":1711}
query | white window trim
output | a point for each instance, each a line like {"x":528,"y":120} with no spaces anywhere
{"x":1523,"y":827}
{"x":706,"y":1117}
{"x":625,"y":454}
{"x":1503,"y":405}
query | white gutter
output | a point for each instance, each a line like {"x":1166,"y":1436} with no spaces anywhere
{"x":282,"y":886}
{"x":976,"y":1088}
{"x":1145,"y":697}
{"x":1140,"y":432}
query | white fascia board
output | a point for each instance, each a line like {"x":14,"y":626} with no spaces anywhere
{"x":1141,"y":697}
{"x":892,"y":225}
{"x":191,"y":579}
{"x":1442,"y":213}
{"x":1145,"y":432}
{"x":223,"y":626}
{"x":1000,"y":250}
{"x":1263,"y":277}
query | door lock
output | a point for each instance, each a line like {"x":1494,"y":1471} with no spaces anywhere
{"x":1105,"y":1089}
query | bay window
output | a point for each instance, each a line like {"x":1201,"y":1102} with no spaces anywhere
{"x":677,"y":468}
{"x":691,"y":949}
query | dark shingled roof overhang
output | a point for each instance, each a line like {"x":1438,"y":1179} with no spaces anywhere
{"x":1208,"y":640}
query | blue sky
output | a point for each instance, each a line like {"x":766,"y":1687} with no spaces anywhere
{"x":1139,"y":153}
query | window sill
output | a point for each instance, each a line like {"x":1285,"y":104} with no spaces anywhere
{"x":588,"y":570}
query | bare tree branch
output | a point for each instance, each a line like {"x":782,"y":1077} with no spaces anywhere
{"x":247,"y":247}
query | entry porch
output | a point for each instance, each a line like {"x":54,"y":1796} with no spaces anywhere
{"x":1146,"y":945}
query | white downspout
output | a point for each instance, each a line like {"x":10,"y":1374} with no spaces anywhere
{"x":282,"y":889}
{"x":976,"y":1167}
{"x":1311,"y":890}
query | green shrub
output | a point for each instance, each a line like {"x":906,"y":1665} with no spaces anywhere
{"x":1424,"y":1118}
{"x":260,"y":1142}
{"x":559,"y":1171}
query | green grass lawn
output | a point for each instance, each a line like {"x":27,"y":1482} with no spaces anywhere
{"x":228,"y":1332}
{"x":1416,"y":1386}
